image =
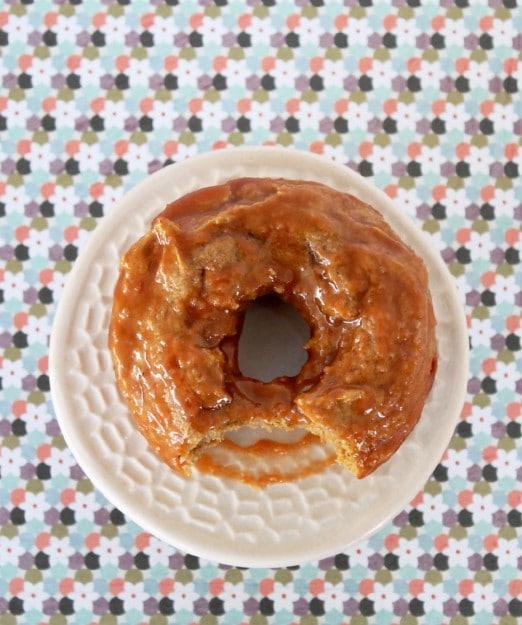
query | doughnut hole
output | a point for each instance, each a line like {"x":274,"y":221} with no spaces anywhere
{"x":272,"y":339}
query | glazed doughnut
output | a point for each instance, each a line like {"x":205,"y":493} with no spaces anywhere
{"x":181,"y":298}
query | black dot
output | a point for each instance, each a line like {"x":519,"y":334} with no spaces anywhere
{"x":67,"y":516}
{"x":147,"y":39}
{"x":414,"y":169}
{"x":221,"y":3}
{"x":463,"y":255}
{"x":121,"y":167}
{"x":485,"y":41}
{"x":440,"y":562}
{"x":438,"y":211}
{"x":216,"y":606}
{"x":413,"y":3}
{"x":487,"y":297}
{"x":171,"y":82}
{"x":73,"y":81}
{"x":219,"y":82}
{"x":462,"y":3}
{"x":489,"y":385}
{"x":292,"y":40}
{"x":462,"y":169}
{"x":117,"y":517}
{"x":437,"y":41}
{"x":41,"y":561}
{"x":195,"y":124}
{"x":269,"y":3}
{"x":92,"y":561}
{"x":414,"y":84}
{"x":116,"y":606}
{"x":510,"y":4}
{"x":366,"y":169}
{"x":72,"y":167}
{"x":515,"y":607}
{"x":487,"y":212}
{"x":466,"y":607}
{"x":243,"y":124}
{"x":20,"y":339}
{"x":340,"y":40}
{"x":465,"y":518}
{"x":268,"y":82}
{"x":389,"y":125}
{"x":416,"y":607}
{"x":316,"y":607}
{"x":341,"y":125}
{"x":66,"y":605}
{"x":70,"y":252}
{"x":316,"y":3}
{"x":416,"y":518}
{"x":316,"y":82}
{"x":196,"y":39}
{"x":514,"y":518}
{"x":513,"y":429}
{"x":366,"y":607}
{"x":244,"y":40}
{"x":438,"y":126}
{"x":365,"y":83}
{"x":43,"y":382}
{"x":491,"y":562}
{"x":18,"y":427}
{"x":366,"y":3}
{"x":121,"y":81}
{"x":191,"y":562}
{"x":512,"y":256}
{"x":170,"y":3}
{"x":464,"y":429}
{"x":511,"y":169}
{"x":342,"y":562}
{"x":441,"y":473}
{"x":489,"y":473}
{"x":25,"y":81}
{"x":486,"y":126}
{"x":141,"y":561}
{"x":391,"y":561}
{"x":510,"y":84}
{"x":166,"y":606}
{"x":4,"y":39}
{"x":17,"y":516}
{"x":47,"y":209}
{"x":389,"y":40}
{"x":96,"y":209}
{"x":98,"y":38}
{"x":97,"y":123}
{"x":16,"y":606}
{"x":49,"y":38}
{"x":48,"y":123}
{"x":21,"y":252}
{"x":43,"y":471}
{"x":146,"y":124}
{"x":462,"y":84}
{"x":292,"y":124}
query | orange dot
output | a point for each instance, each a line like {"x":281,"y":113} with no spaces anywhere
{"x":292,"y":21}
{"x":99,"y":19}
{"x":316,"y":64}
{"x":20,"y":320}
{"x":220,"y":63}
{"x":196,"y":20}
{"x":414,"y":64}
{"x":147,"y":20}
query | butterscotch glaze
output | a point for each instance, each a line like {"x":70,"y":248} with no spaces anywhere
{"x":183,"y":291}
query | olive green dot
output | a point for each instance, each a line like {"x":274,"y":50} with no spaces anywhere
{"x":234,"y":576}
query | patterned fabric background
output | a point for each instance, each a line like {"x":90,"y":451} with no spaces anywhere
{"x":421,"y":97}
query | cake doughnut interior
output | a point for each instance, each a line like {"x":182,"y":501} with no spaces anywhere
{"x":181,"y":298}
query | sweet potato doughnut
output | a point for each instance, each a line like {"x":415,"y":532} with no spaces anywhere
{"x":181,"y":298}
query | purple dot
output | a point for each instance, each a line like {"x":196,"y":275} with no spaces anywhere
{"x":76,"y":473}
{"x":350,"y":607}
{"x":475,"y":562}
{"x":200,"y":606}
{"x":277,"y":40}
{"x":132,"y":39}
{"x":447,"y":169}
{"x":179,"y":124}
{"x":5,"y":339}
{"x":126,"y":560}
{"x":50,"y":606}
{"x":251,"y":606}
{"x":83,"y":39}
{"x":150,"y":606}
{"x":58,"y":81}
{"x":204,"y":82}
{"x":500,"y":607}
{"x":400,"y":607}
{"x":229,"y":40}
{"x":448,"y":255}
{"x":446,"y":84}
{"x":100,"y":606}
{"x":9,"y":81}
{"x":52,"y":428}
{"x":375,"y":562}
{"x":450,"y":607}
{"x":51,"y":516}
{"x":81,"y":209}
{"x":326,"y":563}
{"x":33,"y":123}
{"x":102,"y":516}
{"x":181,"y":40}
{"x":176,"y":561}
{"x":350,"y":83}
{"x":26,"y":561}
{"x":472,"y":212}
{"x":422,"y":41}
{"x":474,"y":386}
{"x":401,"y":519}
{"x":498,"y":429}
{"x":76,"y":561}
{"x":497,"y":256}
{"x":473,"y":299}
{"x":499,"y":518}
{"x":326,"y":125}
{"x":425,"y":562}
{"x":29,"y":383}
{"x":105,"y":167}
{"x":517,"y":42}
{"x":34,"y":38}
{"x":374,"y":41}
{"x":3,"y":605}
{"x":8,"y":166}
{"x":326,"y":40}
{"x":228,"y":124}
{"x":474,"y":473}
{"x":253,"y":82}
{"x":301,"y":607}
{"x":398,"y":83}
{"x":277,"y":124}
{"x":27,"y":471}
{"x":449,"y":518}
{"x":107,"y":81}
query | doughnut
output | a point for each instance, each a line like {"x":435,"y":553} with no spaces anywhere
{"x":182,"y":295}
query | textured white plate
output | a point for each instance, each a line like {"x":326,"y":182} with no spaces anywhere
{"x":215,"y":518}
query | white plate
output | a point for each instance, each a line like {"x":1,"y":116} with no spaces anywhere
{"x":220,"y":519}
